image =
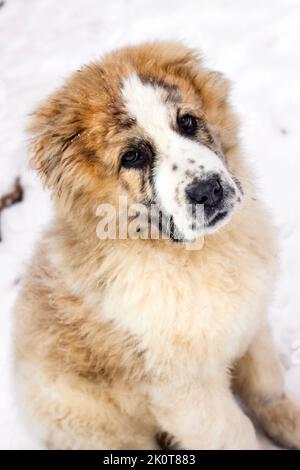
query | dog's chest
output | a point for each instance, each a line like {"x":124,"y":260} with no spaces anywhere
{"x":198,"y":309}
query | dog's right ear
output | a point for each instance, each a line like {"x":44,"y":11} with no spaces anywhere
{"x":53,"y":128}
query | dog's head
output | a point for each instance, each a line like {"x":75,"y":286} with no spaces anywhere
{"x":148,"y":122}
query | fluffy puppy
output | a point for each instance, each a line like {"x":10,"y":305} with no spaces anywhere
{"x":123,"y":339}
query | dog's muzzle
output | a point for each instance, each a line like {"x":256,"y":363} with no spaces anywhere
{"x":213,"y":194}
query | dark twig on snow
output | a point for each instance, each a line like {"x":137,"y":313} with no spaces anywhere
{"x":11,"y":198}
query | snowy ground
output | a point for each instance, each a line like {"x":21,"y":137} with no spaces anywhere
{"x":255,"y":42}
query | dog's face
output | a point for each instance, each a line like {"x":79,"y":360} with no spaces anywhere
{"x":177,"y":156}
{"x":148,"y":123}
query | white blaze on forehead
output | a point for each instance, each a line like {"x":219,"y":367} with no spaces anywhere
{"x":144,"y":102}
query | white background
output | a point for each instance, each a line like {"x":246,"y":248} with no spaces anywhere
{"x":256,"y":43}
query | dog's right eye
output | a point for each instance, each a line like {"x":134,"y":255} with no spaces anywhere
{"x":134,"y":159}
{"x":187,"y":125}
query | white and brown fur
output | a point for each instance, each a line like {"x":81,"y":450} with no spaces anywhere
{"x":120,"y":341}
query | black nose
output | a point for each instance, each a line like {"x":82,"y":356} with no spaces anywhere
{"x":208,"y":192}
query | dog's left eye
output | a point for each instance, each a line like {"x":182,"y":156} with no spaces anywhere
{"x":135,"y":159}
{"x":187,"y":124}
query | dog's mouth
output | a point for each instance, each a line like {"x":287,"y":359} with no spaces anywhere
{"x":200,"y":227}
{"x":217,"y":218}
{"x":177,"y":236}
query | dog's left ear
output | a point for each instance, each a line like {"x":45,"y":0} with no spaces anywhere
{"x":215,"y":87}
{"x":214,"y":90}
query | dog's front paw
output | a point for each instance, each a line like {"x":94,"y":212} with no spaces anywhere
{"x":280,"y":419}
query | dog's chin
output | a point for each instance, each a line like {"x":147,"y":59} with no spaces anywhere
{"x":218,"y":221}
{"x":221,"y":219}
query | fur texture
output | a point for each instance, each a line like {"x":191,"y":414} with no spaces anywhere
{"x":121,"y":341}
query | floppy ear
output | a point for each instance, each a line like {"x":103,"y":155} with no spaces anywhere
{"x":53,"y":129}
{"x":214,"y":89}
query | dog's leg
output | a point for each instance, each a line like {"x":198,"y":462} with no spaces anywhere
{"x":202,"y":416}
{"x":71,"y":412}
{"x":259,"y":380}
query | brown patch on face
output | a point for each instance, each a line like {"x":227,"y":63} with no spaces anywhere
{"x":138,"y":186}
{"x":133,"y":182}
{"x":121,"y":118}
{"x":205,"y":134}
{"x":174,"y":167}
{"x":190,"y":160}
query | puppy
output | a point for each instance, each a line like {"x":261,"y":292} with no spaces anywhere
{"x":121,"y":340}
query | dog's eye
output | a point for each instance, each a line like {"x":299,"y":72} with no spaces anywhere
{"x":134,"y":159}
{"x":187,"y":124}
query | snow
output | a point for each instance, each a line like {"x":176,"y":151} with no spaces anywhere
{"x":256,"y":43}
